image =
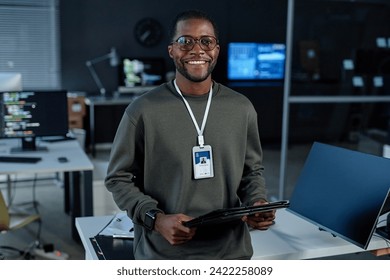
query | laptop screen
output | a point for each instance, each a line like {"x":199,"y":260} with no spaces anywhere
{"x":342,"y":191}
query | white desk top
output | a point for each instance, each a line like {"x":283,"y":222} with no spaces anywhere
{"x":295,"y":238}
{"x":77,"y":159}
{"x":290,"y":238}
{"x":88,"y":227}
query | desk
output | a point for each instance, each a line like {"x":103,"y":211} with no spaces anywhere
{"x":77,"y":171}
{"x":88,"y":227}
{"x":295,"y":238}
{"x":291,"y":238}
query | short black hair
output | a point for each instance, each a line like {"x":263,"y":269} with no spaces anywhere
{"x":192,"y":14}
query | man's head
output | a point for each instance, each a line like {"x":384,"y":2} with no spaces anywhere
{"x":191,"y":14}
{"x":194,"y":45}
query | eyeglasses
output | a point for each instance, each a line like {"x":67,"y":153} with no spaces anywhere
{"x":187,"y":43}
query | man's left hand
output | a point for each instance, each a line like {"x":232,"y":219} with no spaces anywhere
{"x":262,"y":220}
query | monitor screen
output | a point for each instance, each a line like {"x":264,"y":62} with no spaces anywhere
{"x":342,"y":191}
{"x":256,"y":61}
{"x":31,"y":114}
{"x":10,"y":81}
{"x":141,"y":72}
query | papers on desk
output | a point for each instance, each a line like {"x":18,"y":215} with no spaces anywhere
{"x":120,"y":226}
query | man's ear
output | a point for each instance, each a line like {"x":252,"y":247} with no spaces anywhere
{"x":218,"y":48}
{"x":170,"y":49}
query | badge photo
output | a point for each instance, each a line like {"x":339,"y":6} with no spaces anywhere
{"x":203,"y":162}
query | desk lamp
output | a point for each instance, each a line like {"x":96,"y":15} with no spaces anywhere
{"x":114,"y":61}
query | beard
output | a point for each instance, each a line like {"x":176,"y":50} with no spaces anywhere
{"x":194,"y":78}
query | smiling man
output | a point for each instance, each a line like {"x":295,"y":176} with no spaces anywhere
{"x":194,"y":65}
{"x":186,"y":148}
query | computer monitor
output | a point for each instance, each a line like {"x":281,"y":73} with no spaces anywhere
{"x":30,"y":114}
{"x":10,"y":81}
{"x":141,"y":71}
{"x":252,"y":61}
{"x":342,"y":191}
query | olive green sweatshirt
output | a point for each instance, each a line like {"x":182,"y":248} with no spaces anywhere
{"x":151,"y":168}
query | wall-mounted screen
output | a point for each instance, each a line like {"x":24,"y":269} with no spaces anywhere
{"x":250,"y":61}
{"x":30,"y":114}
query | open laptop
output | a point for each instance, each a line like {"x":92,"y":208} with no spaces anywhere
{"x":235,"y":213}
{"x":342,"y":191}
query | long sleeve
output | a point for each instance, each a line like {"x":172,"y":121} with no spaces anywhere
{"x":125,"y":176}
{"x":252,"y":186}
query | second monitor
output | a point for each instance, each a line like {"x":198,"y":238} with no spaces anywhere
{"x":27,"y":115}
{"x":139,"y":71}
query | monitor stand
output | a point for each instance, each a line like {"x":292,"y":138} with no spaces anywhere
{"x":28,"y":145}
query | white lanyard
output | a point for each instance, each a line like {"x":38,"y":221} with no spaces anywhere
{"x":206,"y":113}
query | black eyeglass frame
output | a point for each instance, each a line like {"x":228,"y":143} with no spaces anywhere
{"x":195,"y":40}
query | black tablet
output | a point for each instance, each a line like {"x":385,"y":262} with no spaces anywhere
{"x":230,"y":214}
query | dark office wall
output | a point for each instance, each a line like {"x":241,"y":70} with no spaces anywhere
{"x":89,"y":28}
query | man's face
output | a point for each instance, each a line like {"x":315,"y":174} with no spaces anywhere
{"x":197,"y":64}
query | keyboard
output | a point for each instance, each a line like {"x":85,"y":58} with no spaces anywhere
{"x":19,"y":159}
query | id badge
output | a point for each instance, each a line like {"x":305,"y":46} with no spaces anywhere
{"x":203,"y":162}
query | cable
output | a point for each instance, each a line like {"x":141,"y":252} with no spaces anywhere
{"x":379,"y":235}
{"x":387,"y":241}
{"x":26,"y":253}
{"x":8,"y":252}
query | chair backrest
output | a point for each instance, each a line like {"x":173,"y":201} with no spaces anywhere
{"x":4,"y":215}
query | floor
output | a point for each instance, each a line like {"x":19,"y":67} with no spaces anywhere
{"x":56,"y":224}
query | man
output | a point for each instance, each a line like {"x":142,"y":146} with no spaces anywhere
{"x":186,"y":148}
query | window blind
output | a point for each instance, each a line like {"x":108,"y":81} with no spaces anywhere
{"x":29,"y":42}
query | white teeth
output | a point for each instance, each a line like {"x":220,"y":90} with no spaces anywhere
{"x":196,"y":62}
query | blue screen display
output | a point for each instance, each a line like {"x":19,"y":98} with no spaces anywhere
{"x":256,"y":61}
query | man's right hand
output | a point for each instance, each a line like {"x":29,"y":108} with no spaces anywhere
{"x":172,"y":229}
